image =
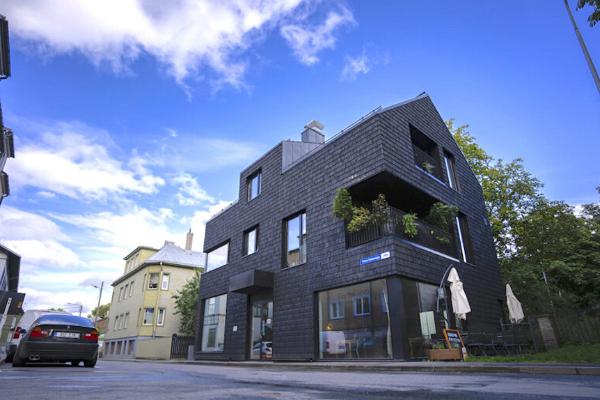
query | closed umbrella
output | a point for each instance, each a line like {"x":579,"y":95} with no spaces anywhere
{"x":515,"y":311}
{"x":460,"y":303}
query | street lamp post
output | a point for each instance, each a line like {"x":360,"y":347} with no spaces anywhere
{"x":99,"y":300}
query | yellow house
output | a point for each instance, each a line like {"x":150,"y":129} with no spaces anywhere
{"x":142,"y":316}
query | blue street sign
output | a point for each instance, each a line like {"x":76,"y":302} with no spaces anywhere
{"x":375,"y":258}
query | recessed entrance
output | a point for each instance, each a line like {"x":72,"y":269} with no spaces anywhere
{"x":261,"y":334}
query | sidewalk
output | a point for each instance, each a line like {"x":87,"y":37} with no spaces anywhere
{"x":403,"y":366}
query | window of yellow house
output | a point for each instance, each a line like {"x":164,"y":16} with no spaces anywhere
{"x":153,"y":280}
{"x":165,"y":281}
{"x":148,"y":315}
{"x":160,"y":318}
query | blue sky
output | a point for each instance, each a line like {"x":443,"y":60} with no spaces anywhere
{"x":133,"y":122}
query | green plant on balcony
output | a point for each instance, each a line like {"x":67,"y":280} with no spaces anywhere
{"x":441,"y":215}
{"x":358,"y":217}
{"x":428,"y":167}
{"x":410,"y":225}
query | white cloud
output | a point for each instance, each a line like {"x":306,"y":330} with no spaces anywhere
{"x":46,"y":194}
{"x":37,"y":298}
{"x":124,"y":231}
{"x":190,"y":192}
{"x":355,"y":66}
{"x":307,"y":40}
{"x":44,"y":252}
{"x":199,"y":153}
{"x":35,"y":238}
{"x":185,"y":36}
{"x":68,"y":158}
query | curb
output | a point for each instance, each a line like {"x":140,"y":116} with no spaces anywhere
{"x":539,"y":369}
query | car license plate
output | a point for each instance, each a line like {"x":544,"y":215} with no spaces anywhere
{"x":70,"y":335}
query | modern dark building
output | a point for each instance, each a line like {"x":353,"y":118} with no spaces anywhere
{"x":287,"y":280}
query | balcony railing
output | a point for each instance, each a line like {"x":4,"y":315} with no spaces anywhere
{"x":422,"y":158}
{"x":430,"y":236}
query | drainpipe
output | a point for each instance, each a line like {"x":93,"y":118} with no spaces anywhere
{"x":156,"y":301}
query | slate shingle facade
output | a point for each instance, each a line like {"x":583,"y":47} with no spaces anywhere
{"x":379,"y":143}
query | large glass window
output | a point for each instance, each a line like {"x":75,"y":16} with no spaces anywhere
{"x":464,"y":239}
{"x":213,"y":331}
{"x":160,"y":318}
{"x":450,"y":170}
{"x":165,"y":281}
{"x":424,"y":323}
{"x":360,"y":331}
{"x":217,"y":257}
{"x":250,"y":241}
{"x":295,"y":240}
{"x":253,"y":185}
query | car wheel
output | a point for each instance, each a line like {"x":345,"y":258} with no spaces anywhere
{"x":17,"y":361}
{"x":90,"y":363}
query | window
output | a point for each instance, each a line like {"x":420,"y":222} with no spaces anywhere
{"x":344,"y":335}
{"x":153,"y":280}
{"x":165,"y":282}
{"x":148,"y":315}
{"x":121,"y":293}
{"x":466,"y":247}
{"x":362,"y":305}
{"x":125,"y":290}
{"x":116,"y":325}
{"x":250,"y":241}
{"x":213,"y":330}
{"x":450,"y":170}
{"x":121,"y":319}
{"x":126,"y":321}
{"x":295,"y":240}
{"x":160,"y":318}
{"x":336,"y":309}
{"x":425,"y":152}
{"x":217,"y":257}
{"x":131,"y":289}
{"x":253,"y":185}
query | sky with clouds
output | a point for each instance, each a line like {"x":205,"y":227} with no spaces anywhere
{"x":133,"y":120}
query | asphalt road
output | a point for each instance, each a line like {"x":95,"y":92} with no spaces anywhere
{"x":146,"y":381}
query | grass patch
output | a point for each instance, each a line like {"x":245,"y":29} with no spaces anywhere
{"x":589,"y":353}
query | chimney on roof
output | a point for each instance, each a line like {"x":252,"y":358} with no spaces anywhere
{"x":313,"y":132}
{"x":188,"y":240}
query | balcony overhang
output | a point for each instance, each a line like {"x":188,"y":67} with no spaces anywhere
{"x":250,"y":282}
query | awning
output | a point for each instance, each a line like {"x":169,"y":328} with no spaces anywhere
{"x":251,"y":281}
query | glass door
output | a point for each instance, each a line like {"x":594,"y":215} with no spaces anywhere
{"x":261,"y":343}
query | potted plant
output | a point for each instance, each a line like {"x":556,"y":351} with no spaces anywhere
{"x":439,"y":352}
{"x":428,"y":167}
{"x":410,"y":225}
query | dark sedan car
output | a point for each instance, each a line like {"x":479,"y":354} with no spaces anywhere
{"x":62,"y":338}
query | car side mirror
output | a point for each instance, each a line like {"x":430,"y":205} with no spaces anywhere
{"x":23,"y":331}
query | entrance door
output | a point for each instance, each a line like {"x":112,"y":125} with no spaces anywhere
{"x":261,"y":343}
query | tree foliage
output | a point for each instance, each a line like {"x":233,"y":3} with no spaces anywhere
{"x":594,"y":17}
{"x":510,"y":192}
{"x":101,"y":311}
{"x":185,"y":305}
{"x":549,"y":253}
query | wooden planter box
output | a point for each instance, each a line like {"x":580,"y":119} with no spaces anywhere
{"x":444,"y":355}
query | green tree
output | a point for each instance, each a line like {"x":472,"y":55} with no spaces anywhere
{"x":185,"y":305}
{"x":101,"y":312}
{"x":595,"y":15}
{"x":510,"y":192}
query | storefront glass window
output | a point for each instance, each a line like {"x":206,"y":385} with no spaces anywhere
{"x":354,"y":323}
{"x":213,"y":331}
{"x":423,"y":323}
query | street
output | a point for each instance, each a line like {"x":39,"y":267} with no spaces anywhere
{"x":147,"y":380}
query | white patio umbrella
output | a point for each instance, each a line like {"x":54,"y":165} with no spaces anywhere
{"x":515,"y":311}
{"x":460,"y":303}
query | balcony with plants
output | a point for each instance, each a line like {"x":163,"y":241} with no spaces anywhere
{"x":386,"y":206}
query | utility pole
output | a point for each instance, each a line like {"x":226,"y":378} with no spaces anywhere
{"x":99,"y":300}
{"x":586,"y":53}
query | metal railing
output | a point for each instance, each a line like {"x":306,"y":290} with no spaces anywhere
{"x":430,"y":236}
